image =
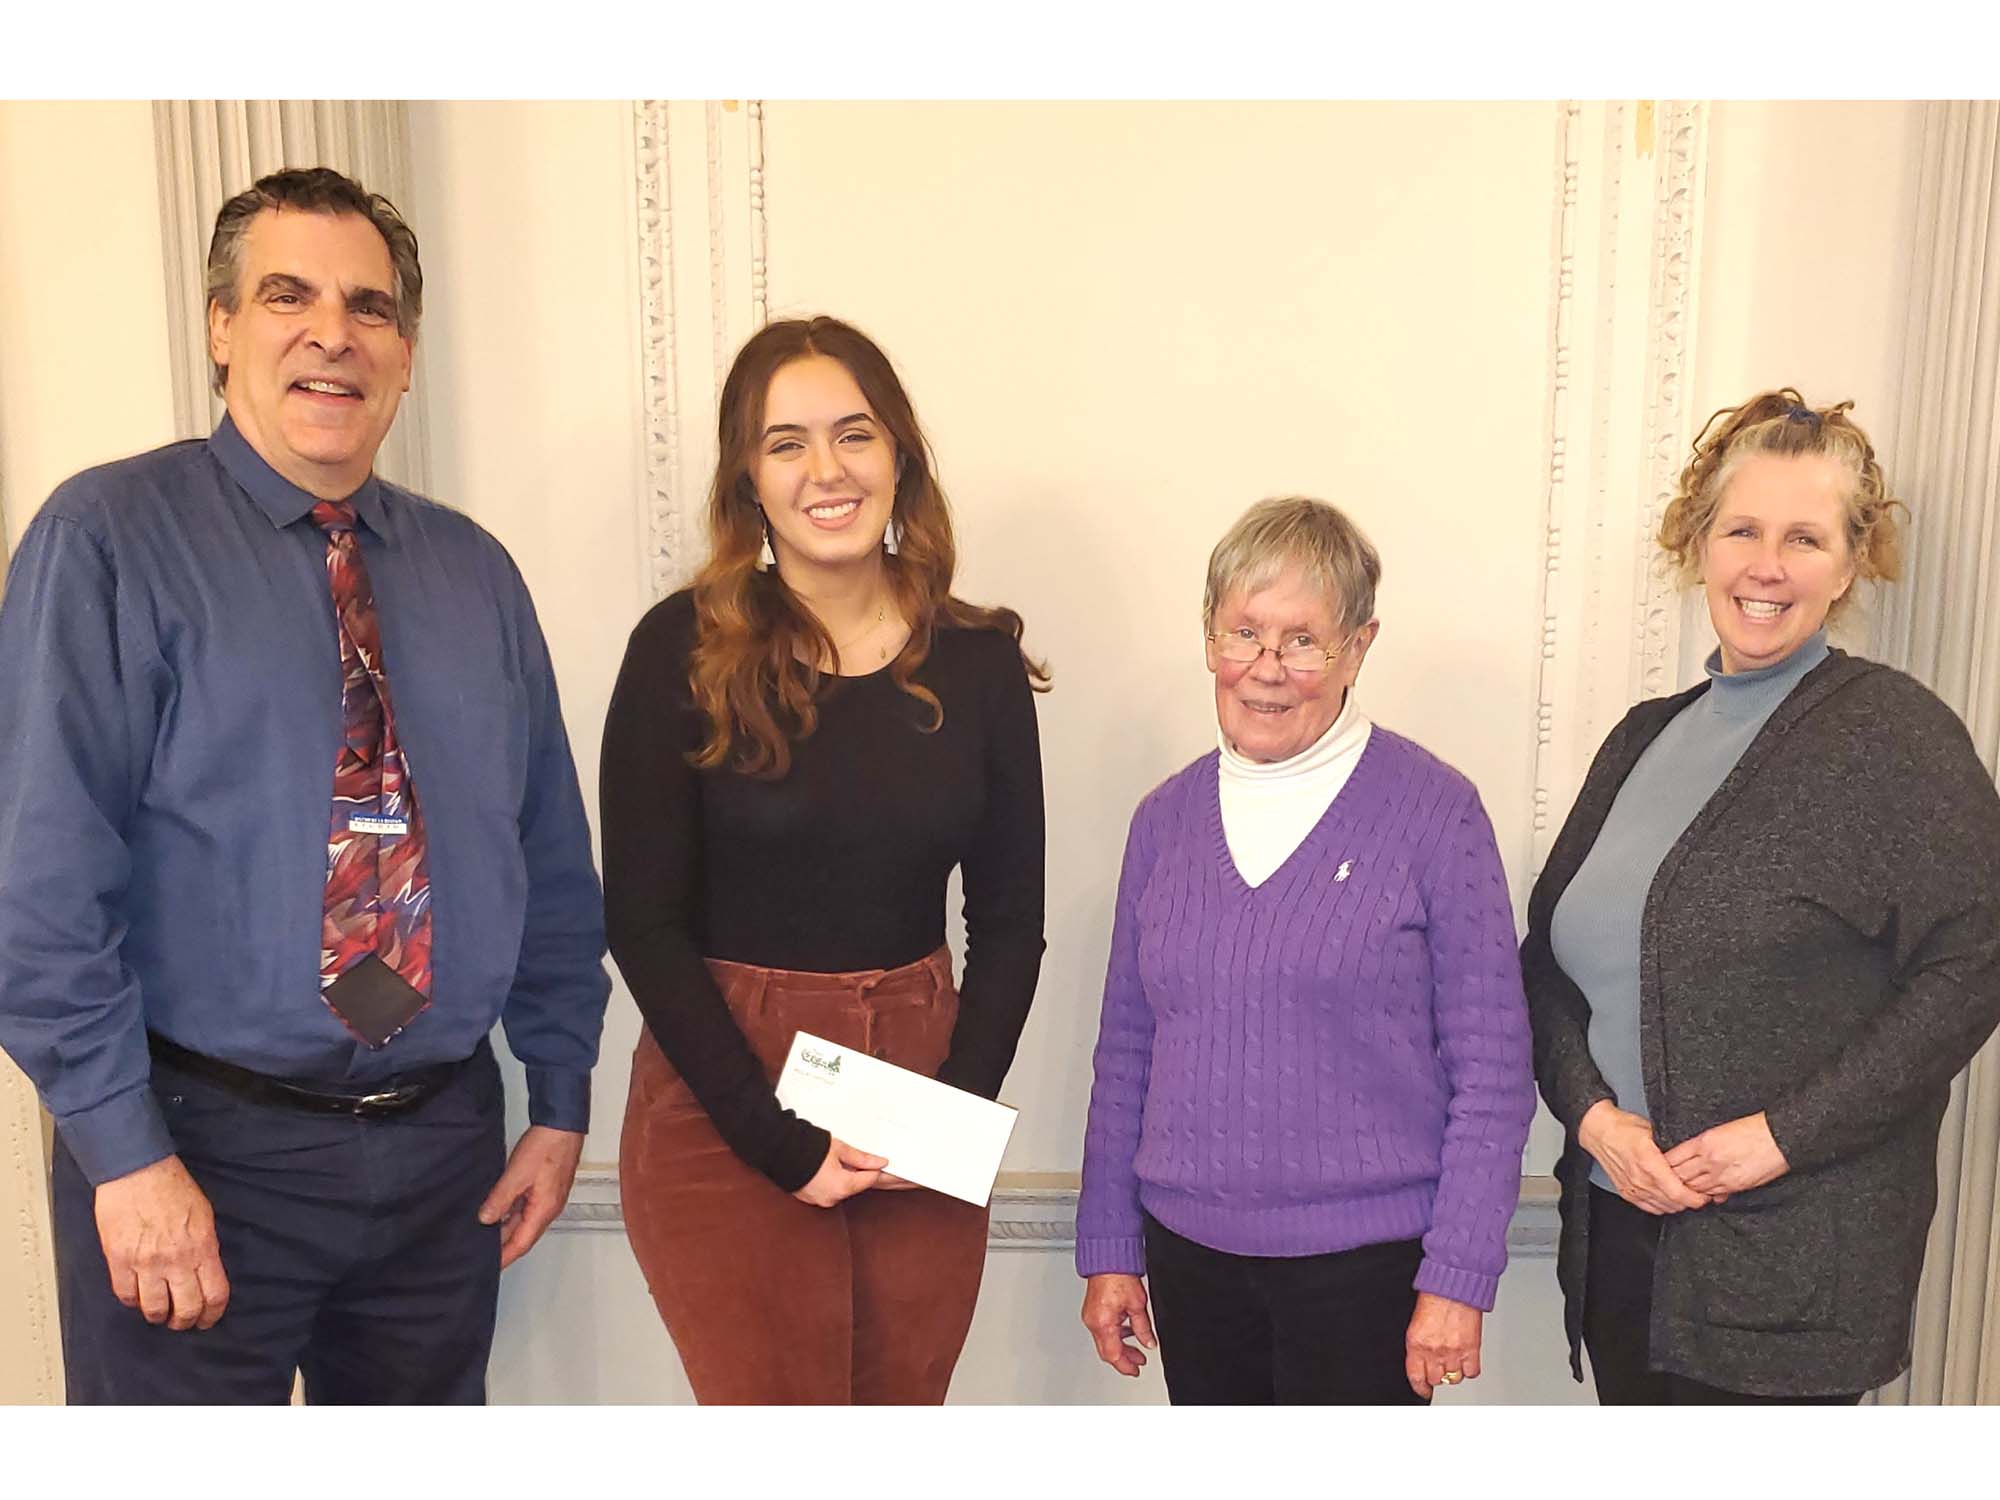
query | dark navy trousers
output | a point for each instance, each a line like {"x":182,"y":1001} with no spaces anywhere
{"x":353,"y":1249}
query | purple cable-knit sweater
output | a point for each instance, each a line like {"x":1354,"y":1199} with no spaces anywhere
{"x":1338,"y":1057}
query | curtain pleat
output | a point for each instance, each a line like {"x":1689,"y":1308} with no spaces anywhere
{"x":1941,"y":625}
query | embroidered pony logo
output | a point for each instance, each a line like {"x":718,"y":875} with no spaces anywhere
{"x":1346,"y":869}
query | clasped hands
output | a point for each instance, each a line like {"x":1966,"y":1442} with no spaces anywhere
{"x":1732,"y":1157}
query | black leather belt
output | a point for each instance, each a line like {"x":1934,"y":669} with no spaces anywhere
{"x":367,"y":1101}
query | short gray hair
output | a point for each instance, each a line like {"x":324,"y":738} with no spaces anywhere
{"x":319,"y":190}
{"x":1296,"y":531}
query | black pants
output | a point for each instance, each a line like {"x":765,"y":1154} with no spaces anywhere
{"x":1267,"y":1330}
{"x":1618,"y":1310}
{"x":353,"y":1249}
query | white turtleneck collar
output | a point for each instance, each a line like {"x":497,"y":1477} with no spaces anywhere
{"x":1268,"y":808}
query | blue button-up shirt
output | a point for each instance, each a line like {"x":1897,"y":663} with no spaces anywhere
{"x":169,"y":720}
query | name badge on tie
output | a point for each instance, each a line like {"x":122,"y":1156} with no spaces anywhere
{"x":376,"y":823}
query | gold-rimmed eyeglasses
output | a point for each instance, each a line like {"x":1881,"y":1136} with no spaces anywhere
{"x":1301,"y":655}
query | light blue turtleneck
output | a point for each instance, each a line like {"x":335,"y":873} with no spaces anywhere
{"x":1595,"y":930}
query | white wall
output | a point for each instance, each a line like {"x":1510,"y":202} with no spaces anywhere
{"x":83,"y":379}
{"x":1806,"y":273}
{"x":530,"y":355}
{"x":83,"y":321}
{"x":1810,"y":226}
{"x":1121,"y":324}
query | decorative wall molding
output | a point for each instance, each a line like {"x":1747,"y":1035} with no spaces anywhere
{"x":1623,"y":291}
{"x":1562,"y":335}
{"x":32,"y":1369}
{"x":718,"y":244}
{"x":760,"y":301}
{"x":716,"y":197}
{"x":1682,"y":133}
{"x":1037,"y":1211}
{"x":207,"y":151}
{"x":33,"y":1366}
{"x":659,"y":351}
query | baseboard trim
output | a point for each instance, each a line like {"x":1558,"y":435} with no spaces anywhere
{"x":1037,"y":1211}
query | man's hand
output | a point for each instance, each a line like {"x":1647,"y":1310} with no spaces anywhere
{"x":158,"y":1234}
{"x":1730,"y":1158}
{"x":533,"y":1189}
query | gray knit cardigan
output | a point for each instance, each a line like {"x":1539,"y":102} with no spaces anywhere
{"x":1822,"y":943}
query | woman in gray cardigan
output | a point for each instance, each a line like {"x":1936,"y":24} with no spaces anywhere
{"x":1766,"y":939}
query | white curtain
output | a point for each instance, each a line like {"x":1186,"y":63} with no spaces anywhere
{"x":1942,"y":625}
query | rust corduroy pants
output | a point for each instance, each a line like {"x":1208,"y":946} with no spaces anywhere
{"x":770,"y":1300}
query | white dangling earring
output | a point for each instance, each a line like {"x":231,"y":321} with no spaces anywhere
{"x":767,"y":559}
{"x":892,"y":539}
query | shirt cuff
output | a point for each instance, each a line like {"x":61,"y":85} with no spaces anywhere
{"x":1111,"y":1255}
{"x":118,"y":1137}
{"x":1473,"y":1288}
{"x":559,"y":1098}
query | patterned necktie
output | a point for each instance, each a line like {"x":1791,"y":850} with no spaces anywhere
{"x":375,"y":940}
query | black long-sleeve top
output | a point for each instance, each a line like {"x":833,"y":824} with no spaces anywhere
{"x":839,"y":865}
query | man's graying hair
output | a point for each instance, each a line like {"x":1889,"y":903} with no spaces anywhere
{"x":1293,"y":531}
{"x":317,"y":190}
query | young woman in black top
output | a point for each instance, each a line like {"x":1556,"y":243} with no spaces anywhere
{"x":797,"y":756}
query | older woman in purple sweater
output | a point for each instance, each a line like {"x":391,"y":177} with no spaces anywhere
{"x":1312,"y":1071}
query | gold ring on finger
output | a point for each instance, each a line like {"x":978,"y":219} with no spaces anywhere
{"x":1452,"y":1377}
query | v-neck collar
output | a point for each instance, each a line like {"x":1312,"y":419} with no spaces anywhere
{"x":1232,"y":877}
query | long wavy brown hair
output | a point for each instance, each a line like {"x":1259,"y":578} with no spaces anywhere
{"x":1780,"y":422}
{"x":754,"y":670}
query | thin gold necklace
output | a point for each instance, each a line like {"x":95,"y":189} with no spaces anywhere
{"x":881,"y":616}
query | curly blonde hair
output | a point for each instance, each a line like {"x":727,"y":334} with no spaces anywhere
{"x":1780,"y":422}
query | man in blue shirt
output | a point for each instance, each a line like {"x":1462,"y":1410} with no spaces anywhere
{"x":291,"y":820}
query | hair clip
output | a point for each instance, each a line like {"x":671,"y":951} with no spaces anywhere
{"x":1802,"y":414}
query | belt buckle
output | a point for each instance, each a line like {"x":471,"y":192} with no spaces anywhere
{"x":383,"y":1102}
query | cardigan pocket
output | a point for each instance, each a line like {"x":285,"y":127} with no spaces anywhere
{"x":1764,"y":1262}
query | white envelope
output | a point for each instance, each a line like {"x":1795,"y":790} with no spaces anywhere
{"x":933,"y":1134}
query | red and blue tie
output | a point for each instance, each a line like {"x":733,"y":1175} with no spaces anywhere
{"x":375,"y":940}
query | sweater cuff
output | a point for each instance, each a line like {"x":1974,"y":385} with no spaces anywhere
{"x":1112,"y":1255}
{"x":1470,"y":1287}
{"x":1583,"y":1097}
{"x":1786,"y":1120}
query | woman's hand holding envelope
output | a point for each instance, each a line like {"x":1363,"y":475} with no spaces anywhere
{"x":844,"y":1173}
